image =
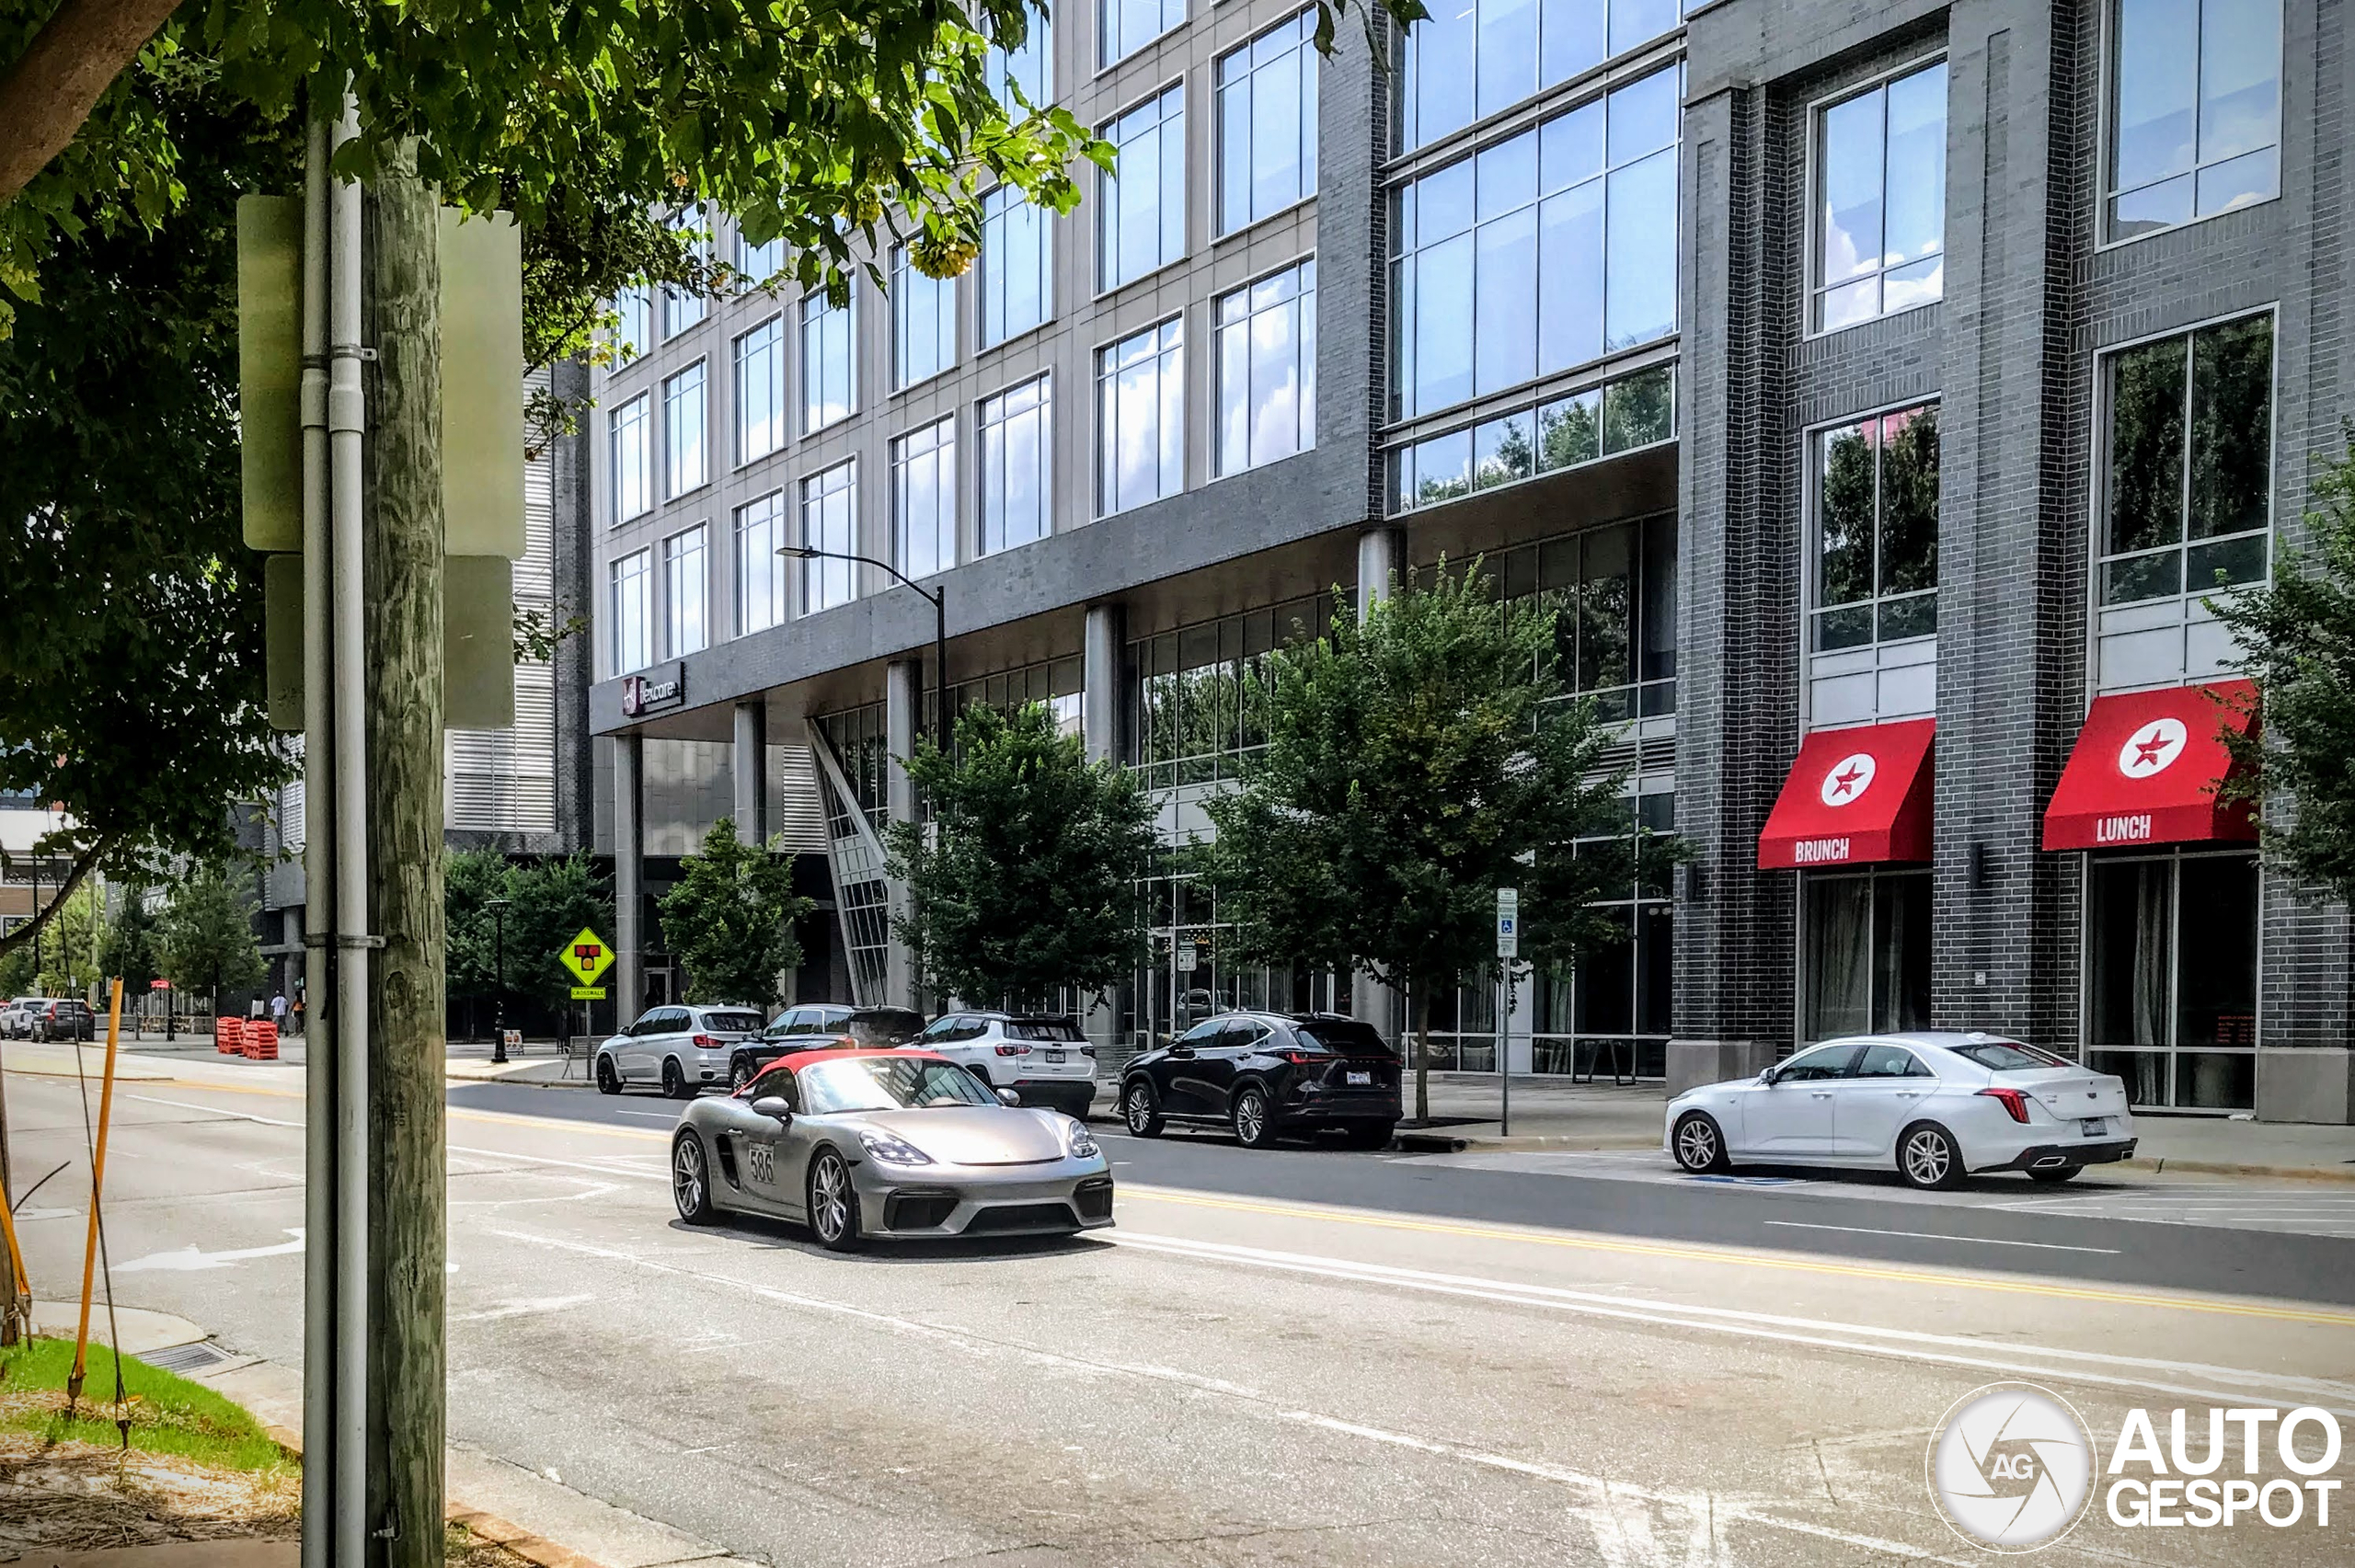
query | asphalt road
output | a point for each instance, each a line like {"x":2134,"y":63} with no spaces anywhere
{"x":1287,"y":1357}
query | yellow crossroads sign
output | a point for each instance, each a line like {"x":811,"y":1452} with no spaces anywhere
{"x":587,"y":956}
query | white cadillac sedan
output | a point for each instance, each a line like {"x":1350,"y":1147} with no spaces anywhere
{"x":1939,"y":1106}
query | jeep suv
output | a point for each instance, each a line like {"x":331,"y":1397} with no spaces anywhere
{"x":1046,"y":1061}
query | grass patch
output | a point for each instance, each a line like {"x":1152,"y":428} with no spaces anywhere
{"x":169,"y":1415}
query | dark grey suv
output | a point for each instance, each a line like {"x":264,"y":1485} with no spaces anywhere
{"x":1266,"y":1075}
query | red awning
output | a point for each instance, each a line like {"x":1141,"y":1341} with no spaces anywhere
{"x":2145,"y":770}
{"x":1855,"y":796}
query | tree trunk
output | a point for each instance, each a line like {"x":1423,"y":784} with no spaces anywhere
{"x":403,"y":583}
{"x":1419,"y":996}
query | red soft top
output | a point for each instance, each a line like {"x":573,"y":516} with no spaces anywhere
{"x":795,"y":1061}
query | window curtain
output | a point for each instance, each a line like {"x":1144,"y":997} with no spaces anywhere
{"x":1839,"y":955}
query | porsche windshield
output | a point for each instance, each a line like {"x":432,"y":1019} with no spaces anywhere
{"x":888,"y":1084}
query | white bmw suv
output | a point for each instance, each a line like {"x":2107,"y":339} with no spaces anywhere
{"x":682,"y":1049}
{"x":1046,"y":1061}
{"x":1937,"y":1106}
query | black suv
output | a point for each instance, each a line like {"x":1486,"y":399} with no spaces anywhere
{"x":817,"y":1026}
{"x":64,"y":1018}
{"x":1268,"y":1074}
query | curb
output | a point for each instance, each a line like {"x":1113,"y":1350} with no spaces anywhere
{"x":533,"y":1548}
{"x":2223,"y":1168}
{"x":1446,"y":1144}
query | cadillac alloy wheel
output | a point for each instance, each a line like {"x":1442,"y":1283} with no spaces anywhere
{"x":1700,"y":1145}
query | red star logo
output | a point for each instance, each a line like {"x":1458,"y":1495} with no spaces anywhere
{"x":1845,"y":781}
{"x":2148,"y":751}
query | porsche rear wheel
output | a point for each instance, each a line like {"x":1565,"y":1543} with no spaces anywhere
{"x":691,"y":1179}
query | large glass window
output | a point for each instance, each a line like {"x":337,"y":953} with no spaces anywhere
{"x":1016,"y":266}
{"x":1014,"y":455}
{"x":2189,"y":479}
{"x":1867,"y":945}
{"x":760,"y":571}
{"x":1197,"y":705}
{"x":830,"y":523}
{"x":682,"y":308}
{"x":759,"y":263}
{"x":760,"y":390}
{"x":2171,"y":946}
{"x":1569,"y":226}
{"x":2195,"y":109}
{"x":684,"y":463}
{"x":633,"y":611}
{"x":687,"y":589}
{"x":1126,"y":25}
{"x":1267,"y":123}
{"x":924,"y":499}
{"x":1881,"y":200}
{"x":1620,"y":416}
{"x":829,"y":380}
{"x":1471,"y":58}
{"x":633,"y":437}
{"x":924,"y":322}
{"x":634,"y":333}
{"x":1141,"y":209}
{"x":1612,"y":591}
{"x":1877,"y":530}
{"x":1141,"y":418}
{"x":1267,"y":370}
{"x":1031,"y":67}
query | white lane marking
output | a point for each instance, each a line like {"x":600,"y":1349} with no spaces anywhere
{"x":1713,"y":1511}
{"x":454,"y":1148}
{"x":519,"y":1308}
{"x":1936,"y":1236}
{"x":188,"y":1260}
{"x":1903,"y":1343}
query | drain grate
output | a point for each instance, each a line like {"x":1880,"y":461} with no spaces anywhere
{"x":200,"y":1356}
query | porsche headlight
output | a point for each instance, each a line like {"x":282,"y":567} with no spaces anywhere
{"x":889,"y":1151}
{"x":1081,"y":1144}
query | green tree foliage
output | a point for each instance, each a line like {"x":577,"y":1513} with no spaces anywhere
{"x":207,"y":934}
{"x":131,"y":655}
{"x":2298,"y":636}
{"x":549,"y":902}
{"x":1419,"y":759}
{"x":71,"y":947}
{"x":132,"y":948}
{"x":730,"y":918}
{"x":1026,"y":883}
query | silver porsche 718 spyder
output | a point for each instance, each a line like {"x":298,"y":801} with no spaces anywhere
{"x":886,"y":1143}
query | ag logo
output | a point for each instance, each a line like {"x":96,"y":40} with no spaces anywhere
{"x":2011,"y":1468}
{"x":1849,"y":778}
{"x":2152,"y":748}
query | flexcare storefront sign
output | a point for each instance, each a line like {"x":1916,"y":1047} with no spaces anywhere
{"x":654,"y":690}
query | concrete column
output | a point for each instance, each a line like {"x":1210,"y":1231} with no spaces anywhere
{"x":750,"y":761}
{"x":1382,"y":553}
{"x":1101,"y":703}
{"x":629,"y":878}
{"x":903,"y":706}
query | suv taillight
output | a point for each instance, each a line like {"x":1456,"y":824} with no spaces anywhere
{"x":2014,"y":1101}
{"x":706,"y":1043}
{"x":1013,"y":1050}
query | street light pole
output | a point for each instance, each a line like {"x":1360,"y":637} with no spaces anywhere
{"x":937,"y":598}
{"x":498,"y":907}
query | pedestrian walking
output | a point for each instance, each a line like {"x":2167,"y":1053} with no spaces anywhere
{"x":278,"y":1011}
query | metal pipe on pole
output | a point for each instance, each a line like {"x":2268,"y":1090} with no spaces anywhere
{"x":347,"y":423}
{"x":321,"y":1253}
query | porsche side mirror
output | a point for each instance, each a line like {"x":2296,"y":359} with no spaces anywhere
{"x":774,"y":1108}
{"x":1008,"y":1097}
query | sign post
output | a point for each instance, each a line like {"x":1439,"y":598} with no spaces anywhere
{"x":1508,"y":949}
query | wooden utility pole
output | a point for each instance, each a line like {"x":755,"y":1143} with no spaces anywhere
{"x":403,"y":548}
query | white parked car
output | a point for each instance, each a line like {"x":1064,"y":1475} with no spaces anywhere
{"x":16,"y":1016}
{"x":1937,"y":1106}
{"x":1046,"y":1061}
{"x":680,"y":1049}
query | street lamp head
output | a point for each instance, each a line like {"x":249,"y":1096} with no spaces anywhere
{"x":799,"y":552}
{"x":496,"y":903}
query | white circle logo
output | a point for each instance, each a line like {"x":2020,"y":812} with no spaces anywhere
{"x":2011,"y":1467}
{"x":1849,"y":778}
{"x":2152,"y":748}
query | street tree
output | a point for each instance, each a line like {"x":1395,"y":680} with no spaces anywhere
{"x":132,"y":950}
{"x":1024,"y":884}
{"x":1418,"y":759}
{"x":471,"y":879}
{"x":207,"y":934}
{"x":730,"y":919}
{"x":75,"y":938}
{"x":2297,"y":637}
{"x":555,"y":900}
